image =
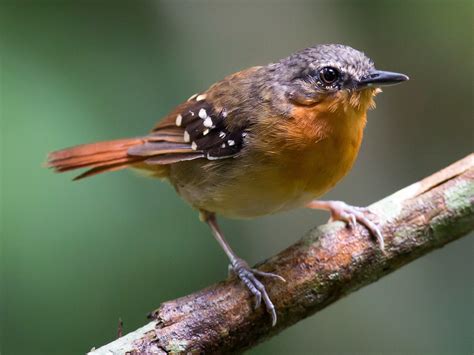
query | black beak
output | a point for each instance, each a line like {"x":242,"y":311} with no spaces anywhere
{"x":382,"y":78}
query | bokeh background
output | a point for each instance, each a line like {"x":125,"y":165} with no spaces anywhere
{"x":77,"y":256}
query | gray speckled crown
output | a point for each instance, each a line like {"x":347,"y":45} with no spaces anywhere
{"x":350,"y":60}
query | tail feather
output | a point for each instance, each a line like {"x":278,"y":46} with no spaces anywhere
{"x":159,"y":148}
{"x":100,"y":157}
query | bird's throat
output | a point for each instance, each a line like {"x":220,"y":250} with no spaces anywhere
{"x":358,"y":101}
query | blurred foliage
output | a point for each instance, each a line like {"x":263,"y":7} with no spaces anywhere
{"x":77,"y":256}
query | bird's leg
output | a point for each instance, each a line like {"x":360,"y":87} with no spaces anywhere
{"x":242,"y":269}
{"x":341,"y":211}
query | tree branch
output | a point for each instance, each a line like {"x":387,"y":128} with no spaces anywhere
{"x":328,"y":263}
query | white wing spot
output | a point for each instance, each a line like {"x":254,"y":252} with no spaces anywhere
{"x":179,"y":120}
{"x":208,"y":122}
{"x":221,"y":134}
{"x":224,"y":113}
{"x":186,"y":136}
{"x":193,"y":146}
{"x":206,"y":131}
{"x":231,"y":142}
{"x":202,"y":113}
{"x":223,"y":145}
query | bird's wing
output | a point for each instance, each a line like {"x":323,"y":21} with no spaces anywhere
{"x":212,"y":125}
{"x":195,"y":129}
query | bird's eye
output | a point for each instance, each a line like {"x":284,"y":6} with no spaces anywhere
{"x":329,"y":75}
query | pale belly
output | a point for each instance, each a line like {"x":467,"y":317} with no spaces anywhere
{"x":250,"y":187}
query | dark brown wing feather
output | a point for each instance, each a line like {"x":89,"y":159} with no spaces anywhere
{"x":204,"y":128}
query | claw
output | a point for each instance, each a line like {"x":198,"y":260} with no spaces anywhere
{"x":270,"y":308}
{"x":248,"y":277}
{"x":353,"y":221}
{"x":374,"y":230}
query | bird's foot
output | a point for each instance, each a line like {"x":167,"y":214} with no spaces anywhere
{"x":341,"y":211}
{"x":248,"y":277}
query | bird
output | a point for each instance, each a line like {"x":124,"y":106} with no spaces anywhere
{"x":264,"y":140}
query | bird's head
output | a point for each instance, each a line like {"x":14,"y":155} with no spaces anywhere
{"x":333,"y":72}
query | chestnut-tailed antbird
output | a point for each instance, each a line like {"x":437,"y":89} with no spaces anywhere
{"x":264,"y":140}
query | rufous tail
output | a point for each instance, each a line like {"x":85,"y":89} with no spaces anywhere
{"x":98,"y":157}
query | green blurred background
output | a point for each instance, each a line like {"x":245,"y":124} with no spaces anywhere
{"x":77,"y":256}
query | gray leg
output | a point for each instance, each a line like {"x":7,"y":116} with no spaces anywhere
{"x":242,"y":269}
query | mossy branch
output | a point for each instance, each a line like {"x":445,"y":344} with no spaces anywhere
{"x":328,"y":263}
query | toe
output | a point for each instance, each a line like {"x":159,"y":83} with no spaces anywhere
{"x":258,"y":299}
{"x":270,"y":308}
{"x":348,"y":218}
{"x":373,"y":229}
{"x":353,"y":221}
{"x":268,"y":274}
{"x":268,"y":302}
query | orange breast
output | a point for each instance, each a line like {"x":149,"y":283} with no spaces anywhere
{"x":329,"y":150}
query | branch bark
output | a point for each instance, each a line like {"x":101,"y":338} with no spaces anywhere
{"x":328,"y":263}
